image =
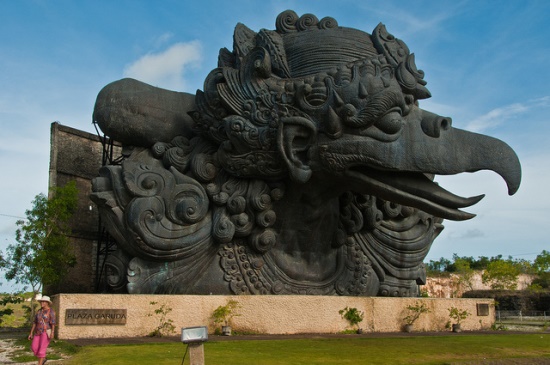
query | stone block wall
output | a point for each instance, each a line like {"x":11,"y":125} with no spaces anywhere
{"x":77,"y":155}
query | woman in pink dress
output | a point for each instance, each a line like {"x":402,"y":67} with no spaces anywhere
{"x":42,"y":329}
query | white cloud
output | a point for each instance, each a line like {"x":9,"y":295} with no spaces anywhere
{"x":497,"y":116}
{"x":163,"y":39}
{"x":468,"y":234}
{"x":166,"y":69}
{"x":412,"y":22}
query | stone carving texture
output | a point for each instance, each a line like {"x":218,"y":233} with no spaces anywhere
{"x":305,"y":166}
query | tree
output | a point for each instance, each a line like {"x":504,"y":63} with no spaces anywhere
{"x":542,"y":262}
{"x":437,"y":267}
{"x":480,"y":264}
{"x":501,"y":274}
{"x":464,"y":271}
{"x":42,"y":254}
{"x":541,"y":265}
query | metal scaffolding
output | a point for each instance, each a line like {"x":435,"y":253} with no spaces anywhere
{"x":106,"y":244}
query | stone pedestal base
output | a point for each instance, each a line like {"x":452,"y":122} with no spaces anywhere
{"x":196,"y":353}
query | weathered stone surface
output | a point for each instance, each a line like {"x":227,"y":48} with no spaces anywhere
{"x":76,"y":156}
{"x":307,"y":168}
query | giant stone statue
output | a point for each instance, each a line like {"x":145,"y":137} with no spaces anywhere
{"x":305,"y":166}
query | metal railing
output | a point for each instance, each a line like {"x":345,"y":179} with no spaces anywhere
{"x":523,"y":315}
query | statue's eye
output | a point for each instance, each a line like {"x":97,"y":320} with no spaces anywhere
{"x":391,"y":122}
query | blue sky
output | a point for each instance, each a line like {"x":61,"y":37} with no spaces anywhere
{"x":486,"y":65}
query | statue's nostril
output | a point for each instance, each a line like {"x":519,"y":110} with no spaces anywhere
{"x":445,"y":123}
{"x":432,"y":124}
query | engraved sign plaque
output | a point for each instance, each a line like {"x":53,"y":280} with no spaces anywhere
{"x":95,"y":316}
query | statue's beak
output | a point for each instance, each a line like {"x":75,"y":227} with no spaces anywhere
{"x":402,"y":170}
{"x":440,"y":149}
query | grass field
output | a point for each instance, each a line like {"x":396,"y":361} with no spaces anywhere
{"x":443,"y":349}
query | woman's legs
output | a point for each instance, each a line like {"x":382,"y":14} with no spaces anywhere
{"x":39,"y":345}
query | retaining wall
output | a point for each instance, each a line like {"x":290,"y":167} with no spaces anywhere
{"x":283,"y":314}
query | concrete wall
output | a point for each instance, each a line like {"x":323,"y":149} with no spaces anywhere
{"x":263,"y":314}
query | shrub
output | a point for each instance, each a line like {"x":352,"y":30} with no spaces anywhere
{"x":165,"y":325}
{"x":352,"y":315}
{"x":225,"y":313}
{"x":457,"y":314}
{"x":415,"y":311}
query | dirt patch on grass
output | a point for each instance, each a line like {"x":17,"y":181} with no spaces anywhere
{"x":7,"y":349}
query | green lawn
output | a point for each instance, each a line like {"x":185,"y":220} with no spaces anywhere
{"x":444,"y":349}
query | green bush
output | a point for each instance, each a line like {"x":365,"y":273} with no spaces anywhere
{"x":415,"y":311}
{"x":165,"y":325}
{"x":225,"y":313}
{"x":457,"y":314}
{"x":352,"y":315}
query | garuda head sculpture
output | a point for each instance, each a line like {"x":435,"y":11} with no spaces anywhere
{"x":305,"y":166}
